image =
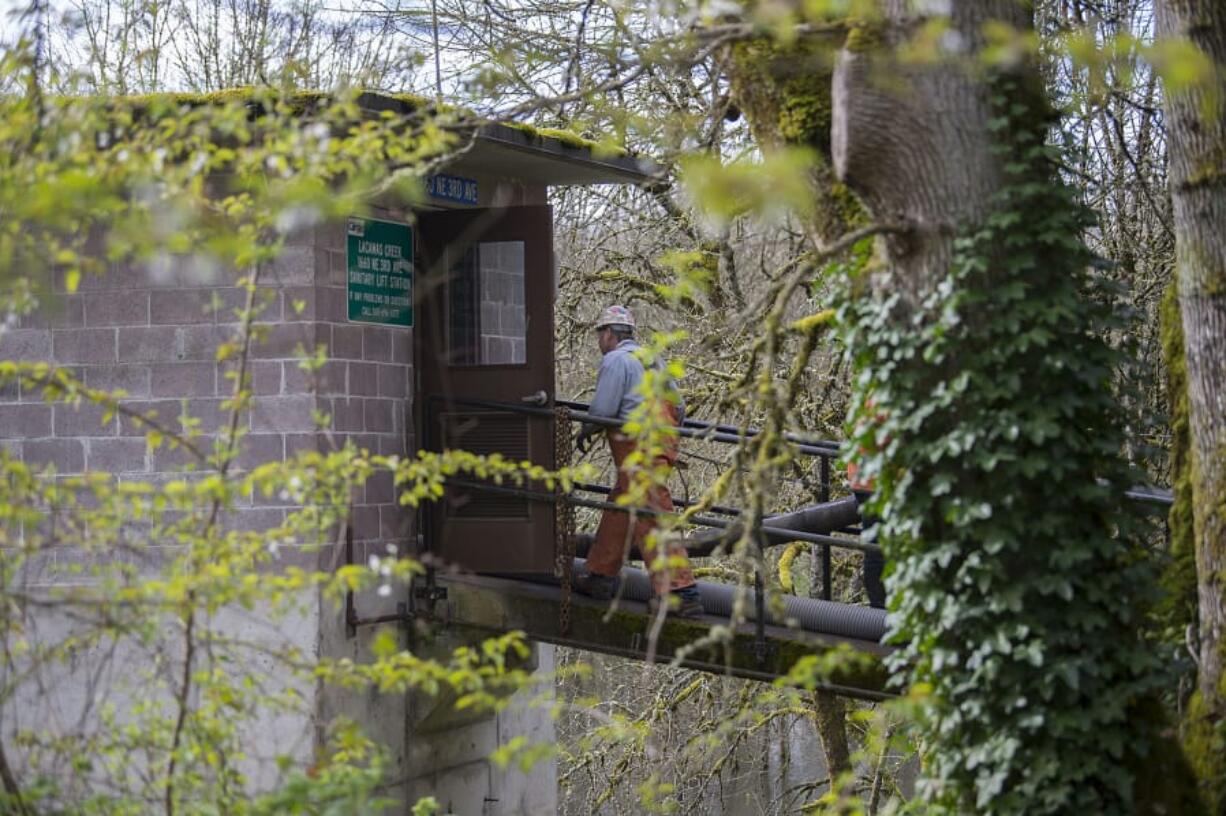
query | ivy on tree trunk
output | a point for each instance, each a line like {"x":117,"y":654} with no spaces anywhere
{"x":1018,"y":582}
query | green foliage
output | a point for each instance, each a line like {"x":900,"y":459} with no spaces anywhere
{"x":1185,"y":67}
{"x":88,"y":180}
{"x":346,"y":782}
{"x":776,"y":185}
{"x":426,"y":807}
{"x":1017,"y":581}
{"x":208,"y":572}
{"x":814,"y":671}
{"x":523,"y":753}
{"x":694,"y":273}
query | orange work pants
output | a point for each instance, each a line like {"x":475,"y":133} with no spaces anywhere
{"x":612,"y":543}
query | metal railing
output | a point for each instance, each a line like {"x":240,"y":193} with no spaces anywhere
{"x":823,"y":450}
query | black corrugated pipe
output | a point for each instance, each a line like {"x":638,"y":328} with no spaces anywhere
{"x":810,"y":614}
{"x":822,"y":519}
{"x":819,"y":518}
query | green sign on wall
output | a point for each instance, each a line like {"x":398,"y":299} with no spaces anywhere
{"x":380,"y":272}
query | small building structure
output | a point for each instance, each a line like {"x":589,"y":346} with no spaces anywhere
{"x":419,"y":310}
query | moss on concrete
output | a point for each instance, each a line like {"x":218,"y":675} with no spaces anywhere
{"x":679,"y":635}
{"x":251,"y":93}
{"x":415,"y":100}
{"x":569,"y":139}
{"x":621,"y":631}
{"x":298,"y":99}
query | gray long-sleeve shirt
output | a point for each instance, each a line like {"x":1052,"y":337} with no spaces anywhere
{"x":617,"y":383}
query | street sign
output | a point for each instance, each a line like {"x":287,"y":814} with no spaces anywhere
{"x":379,"y":283}
{"x":452,"y":188}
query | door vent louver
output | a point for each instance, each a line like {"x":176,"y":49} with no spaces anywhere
{"x":486,"y":433}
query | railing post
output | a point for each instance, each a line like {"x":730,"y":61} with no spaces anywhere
{"x":759,"y":586}
{"x":823,"y":495}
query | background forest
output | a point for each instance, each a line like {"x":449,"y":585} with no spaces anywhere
{"x":785,"y":277}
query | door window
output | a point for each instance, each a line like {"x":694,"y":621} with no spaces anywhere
{"x":486,"y":313}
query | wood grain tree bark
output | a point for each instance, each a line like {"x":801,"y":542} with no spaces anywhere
{"x":912,"y":139}
{"x":1196,"y":121}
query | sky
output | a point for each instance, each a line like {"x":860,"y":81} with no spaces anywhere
{"x":9,"y":27}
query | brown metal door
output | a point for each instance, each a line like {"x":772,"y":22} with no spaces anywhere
{"x":485,"y":335}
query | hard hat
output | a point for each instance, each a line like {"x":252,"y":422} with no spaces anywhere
{"x":615,"y":316}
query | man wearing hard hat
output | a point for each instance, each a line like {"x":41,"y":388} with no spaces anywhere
{"x":618,"y":394}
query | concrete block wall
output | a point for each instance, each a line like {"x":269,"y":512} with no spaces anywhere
{"x":67,"y":697}
{"x":449,"y":750}
{"x":153,"y":331}
{"x":366,"y":387}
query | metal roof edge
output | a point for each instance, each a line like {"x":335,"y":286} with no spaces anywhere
{"x":634,"y":169}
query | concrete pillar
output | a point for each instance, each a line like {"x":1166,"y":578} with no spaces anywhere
{"x":449,"y":750}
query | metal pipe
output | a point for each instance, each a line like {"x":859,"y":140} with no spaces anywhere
{"x":810,"y":614}
{"x":817,"y":519}
{"x":588,"y":487}
{"x":728,"y":429}
{"x":701,"y":521}
{"x":536,"y":621}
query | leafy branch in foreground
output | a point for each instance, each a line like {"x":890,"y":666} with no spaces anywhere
{"x":182,"y":621}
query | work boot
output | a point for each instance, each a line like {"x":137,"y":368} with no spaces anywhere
{"x":594,"y":585}
{"x":682,"y":603}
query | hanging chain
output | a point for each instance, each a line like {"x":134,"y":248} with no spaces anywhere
{"x":564,"y":516}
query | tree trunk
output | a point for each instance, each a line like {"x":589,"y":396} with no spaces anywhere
{"x":832,"y":730}
{"x":1196,"y":119}
{"x":985,"y":364}
{"x":912,"y":140}
{"x":1178,"y":610}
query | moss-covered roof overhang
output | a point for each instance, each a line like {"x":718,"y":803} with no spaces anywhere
{"x":502,"y":149}
{"x":538,"y":155}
